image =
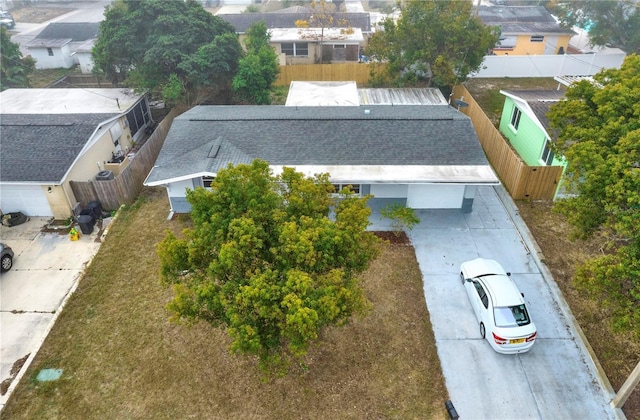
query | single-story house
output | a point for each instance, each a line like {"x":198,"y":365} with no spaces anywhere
{"x":525,"y":124}
{"x":51,"y":137}
{"x":315,"y":45}
{"x":422,"y":156}
{"x":526,"y":30}
{"x":341,"y":41}
{"x":57,"y":44}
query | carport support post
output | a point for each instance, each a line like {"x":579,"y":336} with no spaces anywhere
{"x":627,"y":388}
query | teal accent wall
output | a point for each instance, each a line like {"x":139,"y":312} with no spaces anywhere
{"x":528,"y":140}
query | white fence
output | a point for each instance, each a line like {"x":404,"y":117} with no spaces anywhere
{"x":495,"y":66}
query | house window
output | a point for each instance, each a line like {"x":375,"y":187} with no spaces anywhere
{"x":547,"y":154}
{"x":295,"y":49}
{"x":506,"y":43}
{"x":339,"y":46}
{"x":515,"y":117}
{"x":354,"y":188}
{"x":207,"y":180}
{"x":537,"y":38}
{"x":50,"y":52}
{"x":116,"y":132}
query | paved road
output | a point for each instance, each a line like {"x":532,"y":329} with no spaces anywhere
{"x":556,"y":379}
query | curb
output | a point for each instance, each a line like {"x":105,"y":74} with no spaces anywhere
{"x":538,"y":257}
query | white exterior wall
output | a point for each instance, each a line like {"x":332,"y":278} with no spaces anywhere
{"x":61,"y":58}
{"x":389,"y":190}
{"x":179,"y":189}
{"x":85,"y":59}
{"x":547,"y":65}
{"x":435,"y":196}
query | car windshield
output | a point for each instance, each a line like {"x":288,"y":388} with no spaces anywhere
{"x":511,"y":316}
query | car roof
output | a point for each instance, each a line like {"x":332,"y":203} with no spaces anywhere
{"x":502,"y":289}
{"x":500,"y":286}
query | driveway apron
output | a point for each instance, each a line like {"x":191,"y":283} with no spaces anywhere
{"x":556,"y":378}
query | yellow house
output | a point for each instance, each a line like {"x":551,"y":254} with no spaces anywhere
{"x":51,"y":137}
{"x":526,"y":30}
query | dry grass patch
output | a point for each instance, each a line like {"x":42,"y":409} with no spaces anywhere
{"x":38,"y":14}
{"x":617,"y":351}
{"x":123,"y":359}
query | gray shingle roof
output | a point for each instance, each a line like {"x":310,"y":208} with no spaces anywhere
{"x":540,"y":101}
{"x":386,"y":135}
{"x":242,"y":21}
{"x":76,"y":31}
{"x":41,"y":148}
{"x":534,"y":20}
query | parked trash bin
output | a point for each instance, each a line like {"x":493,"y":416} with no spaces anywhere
{"x":96,"y":209}
{"x":85,"y":221}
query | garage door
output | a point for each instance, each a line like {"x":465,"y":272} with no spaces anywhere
{"x":29,"y":199}
{"x":435,"y":196}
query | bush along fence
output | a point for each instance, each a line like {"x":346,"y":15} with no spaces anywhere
{"x":124,"y":188}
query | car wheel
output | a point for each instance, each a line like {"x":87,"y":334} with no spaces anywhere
{"x":461,"y":277}
{"x":7,"y":263}
{"x":482,"y":331}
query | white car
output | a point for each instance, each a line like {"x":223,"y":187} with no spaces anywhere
{"x":499,"y":306}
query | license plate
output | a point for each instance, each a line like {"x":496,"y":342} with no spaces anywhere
{"x":516,"y":341}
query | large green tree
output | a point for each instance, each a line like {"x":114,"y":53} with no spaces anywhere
{"x":258,"y":69}
{"x":173,"y":46}
{"x":274,"y":259}
{"x":608,"y":22}
{"x":433,"y":42}
{"x":598,"y":128}
{"x":14,"y":69}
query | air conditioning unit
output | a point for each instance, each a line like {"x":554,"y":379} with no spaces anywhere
{"x":104,"y":176}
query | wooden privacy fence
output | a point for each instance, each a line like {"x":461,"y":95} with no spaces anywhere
{"x":124,"y":188}
{"x":521,"y":180}
{"x":343,"y":72}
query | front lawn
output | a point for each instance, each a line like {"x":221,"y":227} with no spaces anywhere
{"x":122,"y":358}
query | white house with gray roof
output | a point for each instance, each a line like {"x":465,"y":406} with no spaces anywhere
{"x":56,"y":46}
{"x":425,"y":157}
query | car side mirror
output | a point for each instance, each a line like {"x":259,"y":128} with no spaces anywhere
{"x":509,"y":274}
{"x":522,"y":294}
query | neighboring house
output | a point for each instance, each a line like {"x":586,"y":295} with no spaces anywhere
{"x":57,"y":44}
{"x":342,"y":41}
{"x":422,"y":156}
{"x":53,"y":136}
{"x":84,"y":55}
{"x":526,"y":30}
{"x":525,"y":124}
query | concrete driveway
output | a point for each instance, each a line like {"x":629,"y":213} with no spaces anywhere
{"x":46,"y":269}
{"x":557,"y":379}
